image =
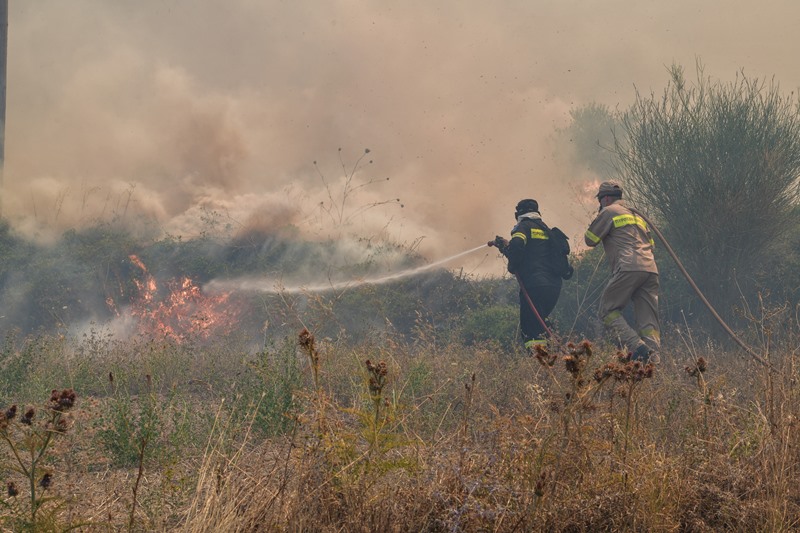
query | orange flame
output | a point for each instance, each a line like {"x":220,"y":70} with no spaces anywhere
{"x":181,"y":310}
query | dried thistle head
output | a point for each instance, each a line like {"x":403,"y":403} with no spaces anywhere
{"x":577,"y":359}
{"x":379,"y":370}
{"x":643,"y":371}
{"x":604,"y":372}
{"x":586,"y":347}
{"x":377,"y":379}
{"x":306,"y":339}
{"x":573,"y":363}
{"x":700,"y":366}
{"x":47,"y":481}
{"x":307,"y":343}
{"x":583,"y":348}
{"x":543,"y":356}
{"x":62,"y":401}
{"x":27,"y":418}
{"x":623,"y":370}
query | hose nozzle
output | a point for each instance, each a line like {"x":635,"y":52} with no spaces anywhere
{"x":498,"y":242}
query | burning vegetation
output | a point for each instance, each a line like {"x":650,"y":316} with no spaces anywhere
{"x":104,"y":275}
{"x":178,"y":308}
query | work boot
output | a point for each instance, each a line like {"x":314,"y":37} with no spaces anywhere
{"x":642,"y":354}
{"x":531,"y":345}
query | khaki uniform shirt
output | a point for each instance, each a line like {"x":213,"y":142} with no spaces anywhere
{"x":626,"y":239}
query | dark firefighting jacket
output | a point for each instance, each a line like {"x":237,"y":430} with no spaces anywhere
{"x":529,"y":252}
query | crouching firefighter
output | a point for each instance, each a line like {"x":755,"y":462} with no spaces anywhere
{"x":532,"y":258}
{"x":634,"y":276}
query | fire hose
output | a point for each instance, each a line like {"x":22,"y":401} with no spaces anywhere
{"x":700,"y":295}
{"x":686,"y":275}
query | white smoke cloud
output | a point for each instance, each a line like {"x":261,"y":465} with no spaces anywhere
{"x":166,"y":111}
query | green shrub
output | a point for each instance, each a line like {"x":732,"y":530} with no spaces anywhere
{"x":30,"y":364}
{"x":276,"y":378}
{"x":495,"y":323}
{"x":136,"y":428}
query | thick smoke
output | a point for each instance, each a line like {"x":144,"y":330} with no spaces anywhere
{"x":163,"y":114}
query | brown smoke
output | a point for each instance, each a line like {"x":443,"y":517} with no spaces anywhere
{"x":166,"y":111}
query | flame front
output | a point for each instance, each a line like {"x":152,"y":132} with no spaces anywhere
{"x":180,"y":310}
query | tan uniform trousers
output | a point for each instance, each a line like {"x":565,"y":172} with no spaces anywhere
{"x":641,"y":289}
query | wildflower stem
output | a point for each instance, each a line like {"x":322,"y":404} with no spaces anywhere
{"x":142,"y":447}
{"x":55,"y":416}
{"x":14,"y":450}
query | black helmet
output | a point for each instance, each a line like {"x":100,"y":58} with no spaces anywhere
{"x":609,"y":188}
{"x":526,"y":206}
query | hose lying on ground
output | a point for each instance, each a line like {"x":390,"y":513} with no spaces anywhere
{"x":533,"y":307}
{"x":496,"y":242}
{"x":714,"y":313}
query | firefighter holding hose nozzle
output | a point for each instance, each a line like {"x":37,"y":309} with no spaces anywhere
{"x":531,"y":258}
{"x":628,"y":247}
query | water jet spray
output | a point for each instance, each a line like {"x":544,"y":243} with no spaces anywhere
{"x":276,"y":286}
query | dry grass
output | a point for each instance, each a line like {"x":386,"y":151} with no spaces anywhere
{"x":436,"y":437}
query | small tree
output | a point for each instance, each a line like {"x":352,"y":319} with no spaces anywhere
{"x":590,"y":135}
{"x":717,"y":166}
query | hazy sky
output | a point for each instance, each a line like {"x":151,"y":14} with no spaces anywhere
{"x":159,"y":111}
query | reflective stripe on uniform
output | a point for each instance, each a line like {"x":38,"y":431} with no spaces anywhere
{"x":629,"y":220}
{"x":535,"y":342}
{"x":650,"y":332}
{"x":537,"y":233}
{"x":520,"y":235}
{"x":592,"y":237}
{"x":610,"y":317}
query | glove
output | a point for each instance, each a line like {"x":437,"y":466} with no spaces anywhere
{"x":501,"y":243}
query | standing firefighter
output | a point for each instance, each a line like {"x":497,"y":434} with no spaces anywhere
{"x":634,"y":275}
{"x":535,"y":261}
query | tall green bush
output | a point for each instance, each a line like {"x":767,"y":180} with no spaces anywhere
{"x":716,"y":165}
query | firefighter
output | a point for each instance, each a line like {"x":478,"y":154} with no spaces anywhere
{"x":529,"y":258}
{"x":634,"y":276}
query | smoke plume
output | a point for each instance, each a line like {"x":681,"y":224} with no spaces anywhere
{"x":169,"y":115}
